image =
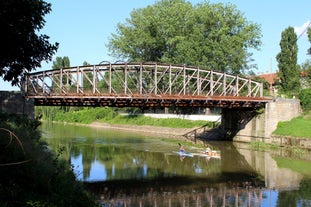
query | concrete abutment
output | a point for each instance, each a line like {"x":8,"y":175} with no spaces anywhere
{"x":250,"y":125}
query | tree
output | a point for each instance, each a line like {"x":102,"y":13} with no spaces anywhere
{"x":58,"y":63}
{"x":306,"y":74}
{"x":309,"y":52}
{"x":214,"y":36}
{"x":22,"y":49}
{"x":87,"y":79}
{"x":289,"y":72}
{"x":309,"y":37}
{"x":61,"y":62}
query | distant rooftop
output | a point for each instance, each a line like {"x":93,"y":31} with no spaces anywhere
{"x":270,"y":77}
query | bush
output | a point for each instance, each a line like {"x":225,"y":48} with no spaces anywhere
{"x":305,"y":99}
{"x":30,"y":175}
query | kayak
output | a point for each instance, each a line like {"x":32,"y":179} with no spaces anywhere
{"x":188,"y":154}
{"x":202,"y":154}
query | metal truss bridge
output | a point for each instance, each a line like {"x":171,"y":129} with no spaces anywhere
{"x":142,"y":85}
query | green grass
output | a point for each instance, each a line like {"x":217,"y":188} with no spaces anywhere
{"x":142,"y":120}
{"x":85,"y":116}
{"x":108,"y":115}
{"x":297,"y":127}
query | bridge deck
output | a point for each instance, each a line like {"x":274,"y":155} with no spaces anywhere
{"x":150,"y":101}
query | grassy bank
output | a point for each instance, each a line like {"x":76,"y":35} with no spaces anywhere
{"x":108,"y":115}
{"x":297,"y":127}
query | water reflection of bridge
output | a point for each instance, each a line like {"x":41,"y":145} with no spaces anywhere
{"x":226,"y":197}
{"x":246,"y":194}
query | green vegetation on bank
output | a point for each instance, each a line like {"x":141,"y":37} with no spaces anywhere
{"x":297,"y":127}
{"x":110,"y":116}
{"x":30,"y":174}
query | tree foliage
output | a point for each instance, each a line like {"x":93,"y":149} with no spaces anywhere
{"x":289,"y":72}
{"x":305,"y":99}
{"x":61,"y":62}
{"x":22,"y":48}
{"x":308,"y":68}
{"x":306,"y":73}
{"x":88,"y":79}
{"x":309,"y":37}
{"x":58,"y":63}
{"x":30,"y":174}
{"x":215,"y":36}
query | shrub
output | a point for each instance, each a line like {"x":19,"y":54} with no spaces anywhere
{"x":31,"y":175}
{"x":305,"y":99}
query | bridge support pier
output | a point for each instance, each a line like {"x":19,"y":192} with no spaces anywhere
{"x":234,"y":120}
{"x":250,"y":125}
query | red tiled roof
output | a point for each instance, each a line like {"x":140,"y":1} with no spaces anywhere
{"x":270,"y":77}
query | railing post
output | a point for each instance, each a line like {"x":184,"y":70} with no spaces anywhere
{"x":224,"y":84}
{"x":110,"y":87}
{"x":249,"y":88}
{"x":43,"y":83}
{"x":155,"y":80}
{"x":125,"y":79}
{"x":261,"y":89}
{"x":198,"y":82}
{"x":61,"y":80}
{"x":211,"y":82}
{"x":94,"y":79}
{"x":184,"y":80}
{"x":78,"y":68}
{"x":141,"y":79}
{"x":170,"y":80}
{"x":237,"y":86}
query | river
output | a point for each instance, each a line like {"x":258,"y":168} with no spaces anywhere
{"x":124,"y":168}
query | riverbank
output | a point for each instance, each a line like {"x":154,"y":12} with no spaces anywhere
{"x":180,"y":133}
{"x":174,"y":132}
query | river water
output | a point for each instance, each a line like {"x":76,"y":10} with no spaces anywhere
{"x":124,"y":168}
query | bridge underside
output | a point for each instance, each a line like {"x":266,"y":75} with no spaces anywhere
{"x":150,"y":101}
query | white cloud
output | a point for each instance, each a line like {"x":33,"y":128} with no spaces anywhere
{"x":301,"y":30}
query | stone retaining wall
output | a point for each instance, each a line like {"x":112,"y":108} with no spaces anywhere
{"x":291,"y":141}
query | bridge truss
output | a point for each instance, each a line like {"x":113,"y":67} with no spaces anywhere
{"x":142,"y":85}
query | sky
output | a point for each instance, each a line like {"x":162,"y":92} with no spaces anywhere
{"x":83,"y":28}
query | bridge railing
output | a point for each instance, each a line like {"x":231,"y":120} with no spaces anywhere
{"x":139,"y":79}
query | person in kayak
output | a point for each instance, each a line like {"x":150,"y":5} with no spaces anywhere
{"x":181,"y":149}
